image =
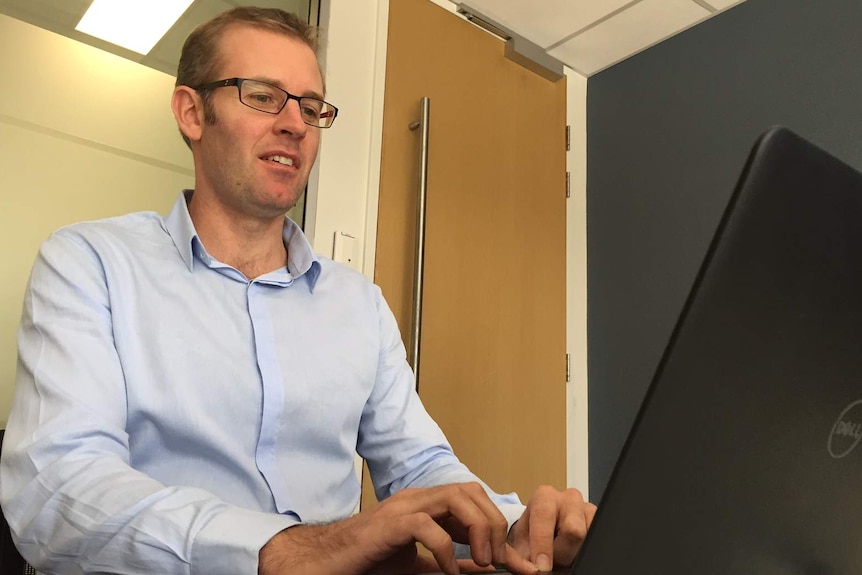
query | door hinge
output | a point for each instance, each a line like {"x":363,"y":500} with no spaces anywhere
{"x":568,"y":367}
{"x":568,"y":184}
{"x":568,"y":138}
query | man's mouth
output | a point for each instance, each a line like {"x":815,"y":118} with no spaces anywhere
{"x":281,"y":160}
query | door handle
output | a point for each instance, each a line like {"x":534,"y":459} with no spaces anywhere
{"x":419,"y":266}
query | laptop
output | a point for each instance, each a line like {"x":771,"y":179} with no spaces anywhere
{"x":745,"y":456}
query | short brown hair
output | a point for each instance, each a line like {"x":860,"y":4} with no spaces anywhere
{"x":200,"y":58}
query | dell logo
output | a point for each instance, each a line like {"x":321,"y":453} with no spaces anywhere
{"x":846,"y":432}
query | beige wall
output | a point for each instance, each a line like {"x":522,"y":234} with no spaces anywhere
{"x":83,"y":135}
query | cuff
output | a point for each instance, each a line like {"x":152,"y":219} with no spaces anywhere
{"x":512,"y":512}
{"x":230,"y":543}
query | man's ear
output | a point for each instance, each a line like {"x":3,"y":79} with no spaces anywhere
{"x":189,"y":112}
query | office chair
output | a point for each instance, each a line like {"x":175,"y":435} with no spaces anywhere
{"x":11,"y":562}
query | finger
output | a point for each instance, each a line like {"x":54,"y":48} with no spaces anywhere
{"x":572,"y":525}
{"x":518,"y":564}
{"x":519,"y":536}
{"x":469,"y":515}
{"x":570,"y":536}
{"x":591,"y":514}
{"x":466,"y":523}
{"x":497,"y":526}
{"x":420,"y":527}
{"x":469,"y":566}
{"x":543,"y":513}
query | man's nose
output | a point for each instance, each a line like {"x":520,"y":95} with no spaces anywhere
{"x":290,"y":119}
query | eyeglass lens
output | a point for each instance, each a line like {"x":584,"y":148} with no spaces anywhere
{"x":268,"y":98}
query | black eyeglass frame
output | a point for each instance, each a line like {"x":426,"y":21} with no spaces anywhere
{"x":238,"y":83}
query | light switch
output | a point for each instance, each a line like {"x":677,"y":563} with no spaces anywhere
{"x":344,"y":250}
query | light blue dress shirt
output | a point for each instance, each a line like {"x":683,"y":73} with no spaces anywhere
{"x":170,"y":416}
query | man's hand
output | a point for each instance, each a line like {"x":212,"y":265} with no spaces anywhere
{"x":552,"y":528}
{"x":383,"y":539}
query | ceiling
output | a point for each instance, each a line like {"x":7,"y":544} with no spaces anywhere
{"x":590,"y":35}
{"x":586,"y":35}
{"x":61,"y":16}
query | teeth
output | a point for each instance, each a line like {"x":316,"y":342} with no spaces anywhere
{"x":281,"y":160}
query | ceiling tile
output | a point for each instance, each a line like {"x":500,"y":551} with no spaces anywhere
{"x":628,"y":32}
{"x":166,"y":53}
{"x":722,"y":4}
{"x":48,"y":14}
{"x":545,"y":23}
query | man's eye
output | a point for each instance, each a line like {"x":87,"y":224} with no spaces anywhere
{"x":262,"y":98}
{"x":310,"y":111}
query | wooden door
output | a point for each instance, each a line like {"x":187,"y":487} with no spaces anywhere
{"x":492,"y":363}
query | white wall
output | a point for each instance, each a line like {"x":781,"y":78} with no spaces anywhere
{"x":83,"y":135}
{"x":348,"y":168}
{"x":576,"y":284}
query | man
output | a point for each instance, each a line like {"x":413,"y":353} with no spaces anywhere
{"x":191,"y":389}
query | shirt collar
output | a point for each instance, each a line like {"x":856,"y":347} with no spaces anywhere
{"x":301,"y":259}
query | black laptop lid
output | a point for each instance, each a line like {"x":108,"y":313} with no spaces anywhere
{"x":744,"y":456}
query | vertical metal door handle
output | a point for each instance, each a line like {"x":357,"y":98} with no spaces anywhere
{"x":419,"y":267}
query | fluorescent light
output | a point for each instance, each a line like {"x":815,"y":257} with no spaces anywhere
{"x":133,"y":24}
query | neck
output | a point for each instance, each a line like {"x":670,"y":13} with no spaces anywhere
{"x":254,"y":246}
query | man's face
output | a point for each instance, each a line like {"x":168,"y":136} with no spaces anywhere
{"x":245,"y":156}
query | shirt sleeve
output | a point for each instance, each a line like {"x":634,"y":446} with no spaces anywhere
{"x":401,"y":443}
{"x":73,"y":502}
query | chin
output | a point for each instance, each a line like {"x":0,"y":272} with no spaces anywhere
{"x":278,"y":203}
{"x":273,"y":211}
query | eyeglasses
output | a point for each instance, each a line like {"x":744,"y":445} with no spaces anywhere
{"x":272,"y":100}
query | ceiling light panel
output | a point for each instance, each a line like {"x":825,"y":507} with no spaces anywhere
{"x":136,"y":25}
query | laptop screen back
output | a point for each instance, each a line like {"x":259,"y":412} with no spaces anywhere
{"x":744,"y":456}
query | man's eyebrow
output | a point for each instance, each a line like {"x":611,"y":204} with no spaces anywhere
{"x":274,"y":82}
